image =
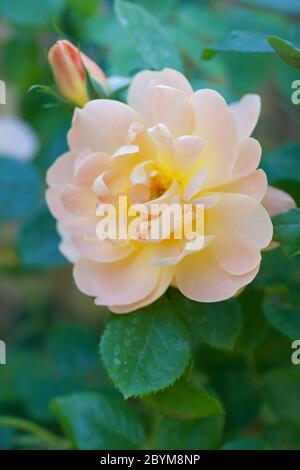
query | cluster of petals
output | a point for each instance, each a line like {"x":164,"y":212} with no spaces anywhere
{"x":168,"y":144}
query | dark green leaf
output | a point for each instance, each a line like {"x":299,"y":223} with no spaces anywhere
{"x":282,"y":309}
{"x":95,"y":421}
{"x":38,"y":243}
{"x":281,"y":392}
{"x":20,"y":189}
{"x":255,"y":326}
{"x":283,"y":163}
{"x":287,"y":231}
{"x":217,"y":324}
{"x":283,"y":436}
{"x":149,"y":37}
{"x":245,"y":443}
{"x":145,"y":351}
{"x":286,"y":50}
{"x":239,"y":41}
{"x":185,"y":401}
{"x":204,"y":434}
{"x":239,"y":395}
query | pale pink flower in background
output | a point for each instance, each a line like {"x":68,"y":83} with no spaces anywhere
{"x":169,"y":143}
{"x":17,"y":139}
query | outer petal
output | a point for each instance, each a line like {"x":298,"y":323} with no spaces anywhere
{"x":249,"y":154}
{"x":200,"y":277}
{"x":79,"y":201}
{"x":103,"y":251}
{"x":165,"y":278}
{"x":92,"y":166}
{"x":242,"y":228}
{"x":102,"y":126}
{"x":240,"y":215}
{"x":277,"y":201}
{"x":141,"y":88}
{"x":120,"y":283}
{"x":246,"y":113}
{"x":253,"y":185}
{"x":172,"y":107}
{"x":215,"y":124}
{"x":61,"y":171}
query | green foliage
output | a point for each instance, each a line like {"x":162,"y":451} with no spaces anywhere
{"x":204,"y":434}
{"x":281,"y":388}
{"x":239,"y":41}
{"x":246,"y":443}
{"x":204,"y":376}
{"x":218,"y":324}
{"x":95,"y":421}
{"x":21,"y":189}
{"x":38,"y":243}
{"x":148,"y":36}
{"x":286,"y":50}
{"x":282,"y":309}
{"x":185,"y":401}
{"x":32,"y":13}
{"x":145,"y":351}
{"x":287,"y":231}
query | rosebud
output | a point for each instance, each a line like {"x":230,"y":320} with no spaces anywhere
{"x":68,"y":65}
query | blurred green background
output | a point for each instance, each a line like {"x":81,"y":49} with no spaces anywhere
{"x":51,"y":330}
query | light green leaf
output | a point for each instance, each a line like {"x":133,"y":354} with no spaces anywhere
{"x":32,"y":13}
{"x":20,"y":189}
{"x":149,"y":37}
{"x":287,"y":231}
{"x":217,"y":324}
{"x":145,"y":351}
{"x":239,"y":41}
{"x":290,"y":7}
{"x":281,"y":392}
{"x":38,"y":242}
{"x":282,"y":309}
{"x":185,"y":401}
{"x":286,"y":50}
{"x":204,"y":434}
{"x":95,"y":421}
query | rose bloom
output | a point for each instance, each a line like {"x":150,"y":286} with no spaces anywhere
{"x":169,"y":143}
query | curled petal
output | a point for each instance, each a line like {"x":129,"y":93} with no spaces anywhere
{"x":246,"y":113}
{"x":122,"y":282}
{"x":78,"y":201}
{"x":249,"y":154}
{"x":165,"y":279}
{"x":101,"y":125}
{"x":141,"y":89}
{"x":103,"y":251}
{"x":61,"y":172}
{"x":200,"y":277}
{"x":215,"y":124}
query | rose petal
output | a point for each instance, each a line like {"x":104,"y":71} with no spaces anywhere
{"x":199,"y":277}
{"x":120,"y":283}
{"x":246,"y":113}
{"x":101,"y":125}
{"x":215,"y":124}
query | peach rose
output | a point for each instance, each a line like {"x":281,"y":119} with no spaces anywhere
{"x":169,"y":143}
